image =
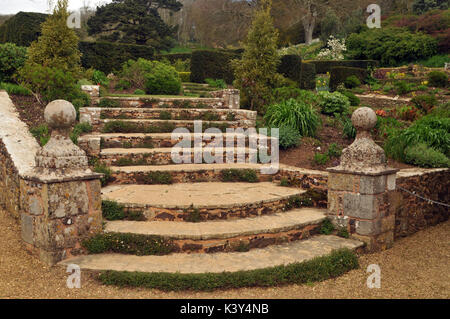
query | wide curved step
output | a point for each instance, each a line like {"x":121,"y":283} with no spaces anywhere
{"x":217,"y":263}
{"x":209,"y":201}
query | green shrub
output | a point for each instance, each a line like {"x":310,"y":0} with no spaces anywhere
{"x":334,"y":150}
{"x":212,"y":64}
{"x":123,"y":85}
{"x":327,"y":227}
{"x":139,"y":92}
{"x":112,"y":210}
{"x":165,"y":115}
{"x":50,"y":83}
{"x":100,"y":78}
{"x":343,"y":232}
{"x":237,"y":175}
{"x":109,"y":57}
{"x":216,"y":83}
{"x":333,"y":103}
{"x":425,"y":102}
{"x":308,"y":76}
{"x":324,"y":66}
{"x":403,"y":87}
{"x":12,"y":58}
{"x":321,"y":159}
{"x":391,"y":46}
{"x":438,"y":79}
{"x":162,"y":79}
{"x":424,"y":156}
{"x":108,"y":103}
{"x":339,"y":75}
{"x":293,"y":113}
{"x":318,"y":269}
{"x":14,"y":89}
{"x":132,"y":244}
{"x":290,"y":67}
{"x":185,"y":76}
{"x":353,"y":99}
{"x":285,"y":93}
{"x":436,"y":61}
{"x":352,"y":82}
{"x":289,"y":137}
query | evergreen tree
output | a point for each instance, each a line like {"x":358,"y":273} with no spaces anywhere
{"x":256,"y":72}
{"x":134,"y":21}
{"x":57,"y":47}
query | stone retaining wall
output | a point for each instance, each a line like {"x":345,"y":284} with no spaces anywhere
{"x":56,"y":209}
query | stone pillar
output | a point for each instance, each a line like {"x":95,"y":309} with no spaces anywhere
{"x":92,"y":90}
{"x":359,"y":189}
{"x":61,"y":197}
{"x":231,"y":97}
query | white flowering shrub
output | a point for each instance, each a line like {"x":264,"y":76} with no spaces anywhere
{"x":334,"y":51}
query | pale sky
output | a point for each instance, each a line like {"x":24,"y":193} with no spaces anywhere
{"x":14,"y":6}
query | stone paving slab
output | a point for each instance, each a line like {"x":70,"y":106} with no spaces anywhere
{"x":200,"y":195}
{"x":122,"y":151}
{"x":220,"y":262}
{"x":269,"y":224}
{"x":185,"y":167}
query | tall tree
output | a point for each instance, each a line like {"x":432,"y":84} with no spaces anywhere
{"x":256,"y":72}
{"x":134,"y":21}
{"x":57,"y":47}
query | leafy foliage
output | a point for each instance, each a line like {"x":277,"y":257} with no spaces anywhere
{"x":425,"y":156}
{"x":391,"y":46}
{"x":12,"y":58}
{"x":289,"y":137}
{"x":22,"y":29}
{"x":112,"y":210}
{"x":213,"y":64}
{"x":294,"y":113}
{"x":134,"y":21}
{"x":256,"y":71}
{"x":320,"y":268}
{"x":438,"y":79}
{"x":334,"y":103}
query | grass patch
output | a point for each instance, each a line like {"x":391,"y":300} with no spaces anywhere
{"x":105,"y":170}
{"x":193,"y":215}
{"x":321,"y":268}
{"x":327,"y":227}
{"x":130,"y":244}
{"x":14,"y":89}
{"x":108,"y":103}
{"x":155,"y":178}
{"x":237,"y":175}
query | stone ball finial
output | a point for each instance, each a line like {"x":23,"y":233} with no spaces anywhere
{"x":60,"y":114}
{"x":364,"y":119}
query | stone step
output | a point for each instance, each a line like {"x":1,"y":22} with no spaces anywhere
{"x":178,"y":114}
{"x":203,"y":201}
{"x":163,"y":156}
{"x":218,"y":236}
{"x":164,"y":102}
{"x":271,"y":256}
{"x":184,"y":173}
{"x":157,"y":140}
{"x":164,"y":126}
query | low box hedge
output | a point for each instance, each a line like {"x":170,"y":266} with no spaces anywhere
{"x":308,"y":76}
{"x":322,"y":67}
{"x":338,"y":75}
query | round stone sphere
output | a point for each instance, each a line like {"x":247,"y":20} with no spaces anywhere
{"x":60,"y":114}
{"x":364,"y":118}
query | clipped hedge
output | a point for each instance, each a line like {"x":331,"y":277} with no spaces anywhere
{"x":173,"y":57}
{"x":322,"y":67}
{"x":335,"y":264}
{"x":308,"y":76}
{"x":340,"y":74}
{"x":212,"y":64}
{"x":185,"y":76}
{"x":107,"y":56}
{"x":22,"y":29}
{"x":291,"y":67}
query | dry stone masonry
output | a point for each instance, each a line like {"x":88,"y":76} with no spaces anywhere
{"x":359,"y":189}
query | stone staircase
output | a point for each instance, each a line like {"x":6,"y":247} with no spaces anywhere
{"x":220,"y":217}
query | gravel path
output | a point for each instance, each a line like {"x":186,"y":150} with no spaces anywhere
{"x":417,"y":267}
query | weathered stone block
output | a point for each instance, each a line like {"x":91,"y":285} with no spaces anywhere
{"x":68,"y":199}
{"x":388,"y":223}
{"x":368,"y":227}
{"x":343,"y":182}
{"x":35,"y":207}
{"x":391,"y":182}
{"x":27,"y":227}
{"x":372,"y":184}
{"x":360,"y":206}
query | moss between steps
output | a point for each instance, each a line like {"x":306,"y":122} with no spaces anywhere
{"x":333,"y":265}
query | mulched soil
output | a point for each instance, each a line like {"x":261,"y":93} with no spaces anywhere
{"x":416,"y":267}
{"x":303,"y":155}
{"x":31,"y":112}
